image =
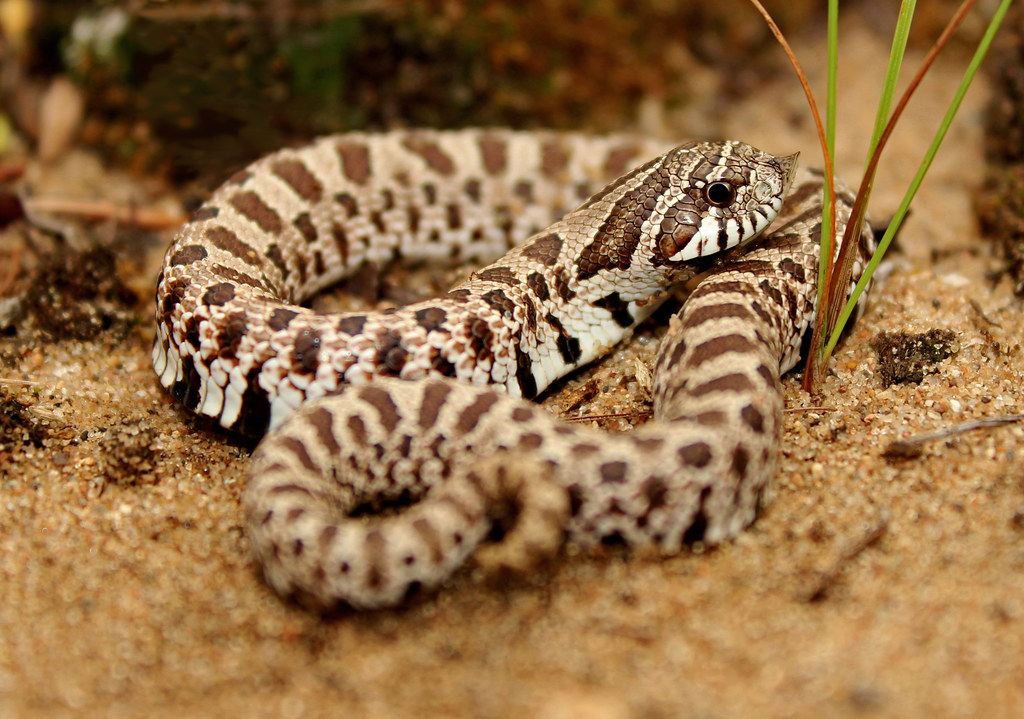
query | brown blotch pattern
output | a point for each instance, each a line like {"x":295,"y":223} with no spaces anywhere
{"x":355,"y":162}
{"x":254,"y":208}
{"x":436,"y":158}
{"x":381,"y":401}
{"x":493,"y":153}
{"x":501,"y":274}
{"x":188,"y":254}
{"x":219,"y":294}
{"x":434,"y":397}
{"x":224,"y":239}
{"x":544,"y":249}
{"x":696,"y":455}
{"x":298,"y":177}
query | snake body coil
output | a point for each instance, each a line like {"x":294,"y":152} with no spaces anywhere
{"x":234,"y":344}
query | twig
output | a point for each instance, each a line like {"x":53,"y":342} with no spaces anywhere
{"x":820,"y":588}
{"x":976,"y":306}
{"x":102,"y":210}
{"x":913,"y":447}
{"x":597,"y":417}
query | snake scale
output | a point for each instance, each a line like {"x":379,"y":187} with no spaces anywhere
{"x":451,"y":458}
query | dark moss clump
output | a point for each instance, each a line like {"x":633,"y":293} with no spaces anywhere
{"x":906,"y":357}
{"x":18,"y":426}
{"x":130,"y":453}
{"x":78,"y":296}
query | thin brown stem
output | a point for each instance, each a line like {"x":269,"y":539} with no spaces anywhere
{"x":838,"y":282}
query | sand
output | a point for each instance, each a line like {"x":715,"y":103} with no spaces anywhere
{"x":867,"y":588}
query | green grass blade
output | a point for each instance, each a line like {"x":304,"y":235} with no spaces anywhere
{"x":940,"y":135}
{"x":828,"y":206}
{"x":892,"y":72}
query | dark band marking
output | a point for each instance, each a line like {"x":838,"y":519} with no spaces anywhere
{"x":735,"y":382}
{"x":529,"y":441}
{"x":381,"y":401}
{"x":434,"y":396}
{"x":280,"y":318}
{"x":298,"y":448}
{"x":431,"y":153}
{"x":544,"y":249}
{"x":254,"y":420}
{"x":206,"y":212}
{"x":493,"y":153}
{"x":717,"y":346}
{"x":472,"y":189}
{"x":231,"y":333}
{"x":695,"y":455}
{"x":568,"y":347}
{"x":322,"y":421}
{"x":711,"y":418}
{"x":772,"y":292}
{"x":768,"y":374}
{"x":618,"y":309}
{"x":500,"y":302}
{"x":239,"y":178}
{"x":536,"y":283}
{"x":391,"y":355}
{"x":524,"y":376}
{"x":352,"y":324}
{"x":239,"y":278}
{"x":219,"y":294}
{"x":562,"y":288}
{"x":357,"y":428}
{"x":340,"y":240}
{"x":348,"y":202}
{"x":522,"y":414}
{"x":501,"y":274}
{"x":431,"y":318}
{"x":655,"y":490}
{"x":276,"y":257}
{"x":696,"y":530}
{"x":613,"y":472}
{"x":471,"y":415}
{"x":298,"y":177}
{"x":304,"y":224}
{"x":255,"y":209}
{"x":453,"y":215}
{"x":307,"y":350}
{"x":761,"y":312}
{"x":753,"y":417}
{"x":355,"y":162}
{"x":224,"y":239}
{"x":793,"y":269}
{"x":554,"y":159}
{"x":188,"y":254}
{"x":524,"y":191}
{"x":740,"y":459}
{"x":721,"y":310}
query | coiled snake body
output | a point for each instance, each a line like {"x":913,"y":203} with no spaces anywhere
{"x":234,"y":344}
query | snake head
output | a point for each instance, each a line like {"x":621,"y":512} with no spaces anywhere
{"x":714,"y":196}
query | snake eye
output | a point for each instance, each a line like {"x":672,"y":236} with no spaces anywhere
{"x":719,"y":194}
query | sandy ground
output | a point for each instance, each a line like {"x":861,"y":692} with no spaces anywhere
{"x":866,"y":589}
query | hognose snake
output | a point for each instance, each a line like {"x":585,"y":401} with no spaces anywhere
{"x":233,"y":344}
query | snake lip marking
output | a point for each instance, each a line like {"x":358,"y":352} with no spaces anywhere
{"x":408,"y":408}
